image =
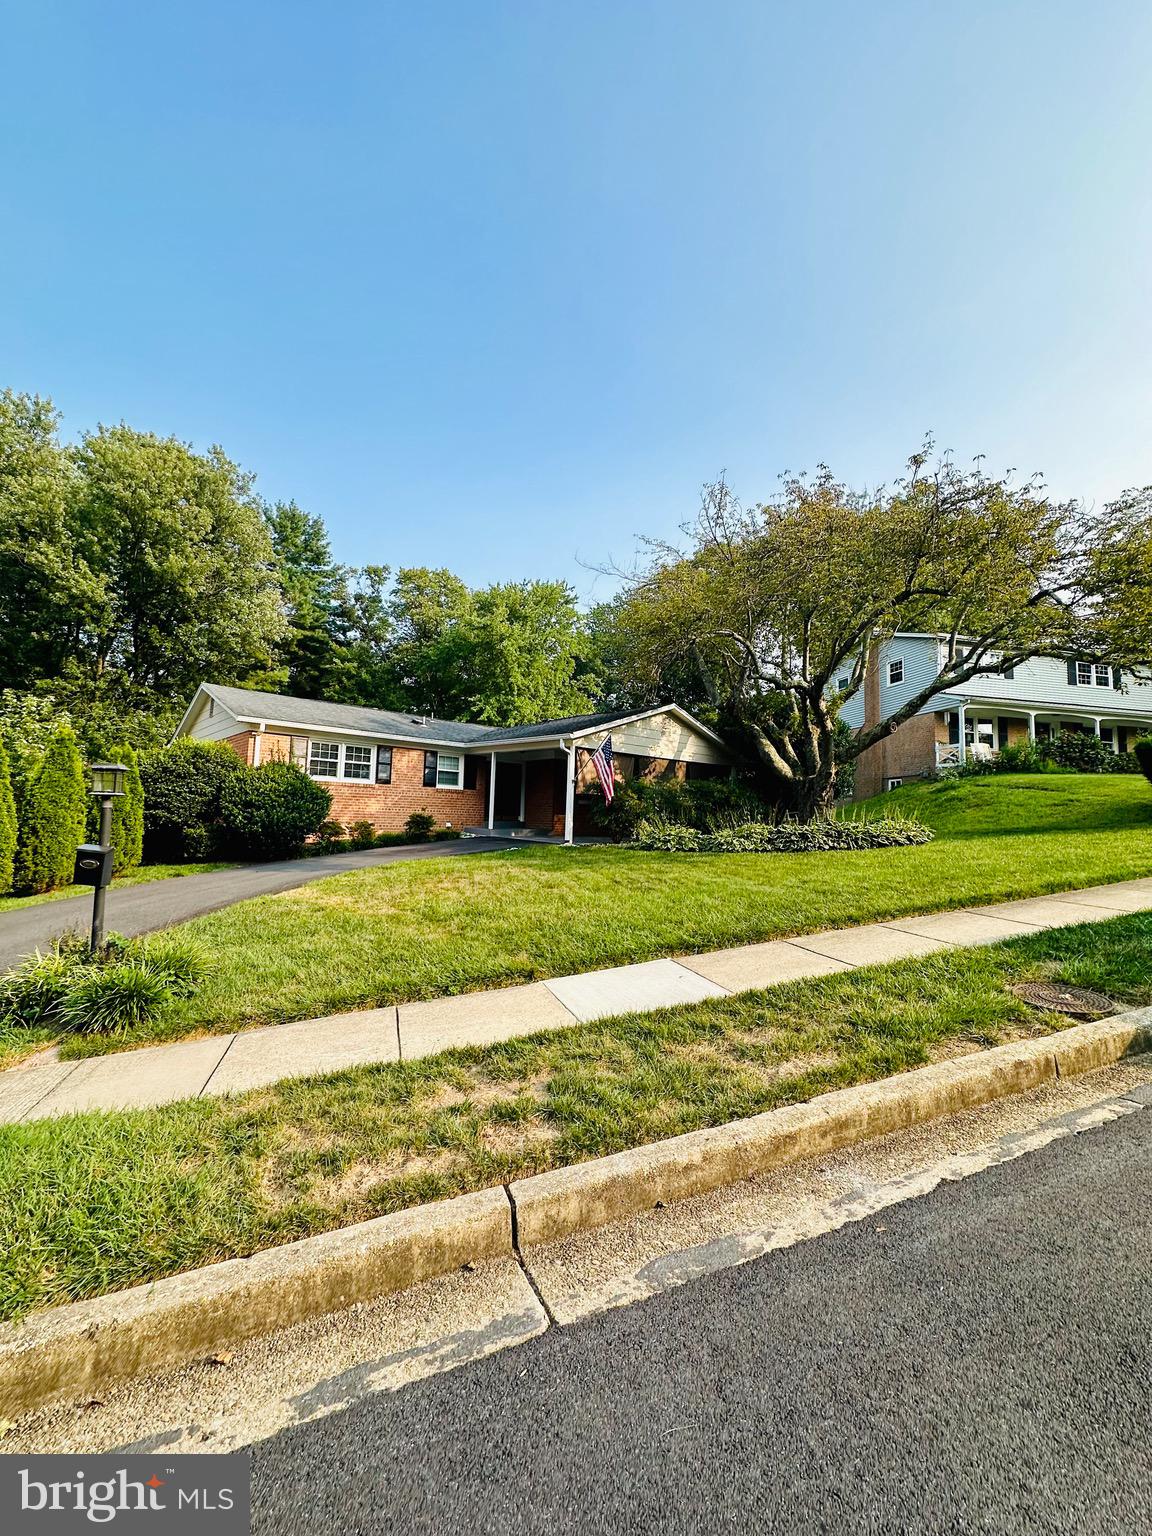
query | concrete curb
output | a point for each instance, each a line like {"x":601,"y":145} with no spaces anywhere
{"x":551,"y":1206}
{"x":86,"y":1347}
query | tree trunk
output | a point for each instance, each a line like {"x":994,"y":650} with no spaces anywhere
{"x":812,"y":796}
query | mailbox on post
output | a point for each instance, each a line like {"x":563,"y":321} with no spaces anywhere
{"x":93,"y":865}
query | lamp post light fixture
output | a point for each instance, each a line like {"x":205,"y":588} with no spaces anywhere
{"x":94,"y":860}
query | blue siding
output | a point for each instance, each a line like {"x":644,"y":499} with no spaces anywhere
{"x":1041,"y":685}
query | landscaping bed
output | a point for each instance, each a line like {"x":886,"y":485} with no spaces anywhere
{"x":95,"y":1202}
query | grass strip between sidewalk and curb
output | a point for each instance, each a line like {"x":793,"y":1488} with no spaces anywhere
{"x":94,"y":1202}
{"x":90,"y":1346}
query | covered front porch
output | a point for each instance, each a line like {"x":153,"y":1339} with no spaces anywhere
{"x":533,"y":796}
{"x":979,"y":730}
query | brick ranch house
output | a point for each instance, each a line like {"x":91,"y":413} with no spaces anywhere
{"x":381,"y":766}
{"x":1026,"y":703}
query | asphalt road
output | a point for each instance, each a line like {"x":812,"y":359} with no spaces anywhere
{"x":973,"y":1361}
{"x":141,"y":908}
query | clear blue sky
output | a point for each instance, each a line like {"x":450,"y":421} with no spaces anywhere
{"x":498,"y":283}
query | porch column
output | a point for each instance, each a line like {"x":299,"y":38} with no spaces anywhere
{"x":1031,"y":725}
{"x":570,"y":791}
{"x":491,"y":790}
{"x":961,"y":744}
{"x":1096,"y":725}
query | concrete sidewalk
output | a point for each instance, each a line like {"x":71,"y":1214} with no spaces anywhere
{"x":220,"y":1064}
{"x":154,"y":904}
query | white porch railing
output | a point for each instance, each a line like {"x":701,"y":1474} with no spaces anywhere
{"x":946,"y":756}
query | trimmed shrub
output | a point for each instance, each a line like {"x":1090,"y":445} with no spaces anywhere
{"x":125,"y":983}
{"x":419,"y":827}
{"x":445,"y":834}
{"x":706,"y":804}
{"x":1079,"y":751}
{"x":7,"y":824}
{"x":361,"y":835}
{"x":330,"y":838}
{"x":269,"y":812}
{"x":392,"y":839}
{"x":1142,"y":752}
{"x":821,"y":836}
{"x":182,"y":784}
{"x":128,"y":813}
{"x":52,"y":817}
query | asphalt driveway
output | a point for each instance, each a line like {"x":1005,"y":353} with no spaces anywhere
{"x":141,"y":908}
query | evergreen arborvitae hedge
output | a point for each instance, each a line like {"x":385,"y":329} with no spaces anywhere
{"x":128,"y":813}
{"x":52,"y":817}
{"x":7,"y":824}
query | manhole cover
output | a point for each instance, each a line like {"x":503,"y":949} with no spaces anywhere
{"x":1076,"y":1002}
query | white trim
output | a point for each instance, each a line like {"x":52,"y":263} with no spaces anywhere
{"x":570,"y":792}
{"x":491,"y":790}
{"x":518,"y":743}
{"x":341,"y":730}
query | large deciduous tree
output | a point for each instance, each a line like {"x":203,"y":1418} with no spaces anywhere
{"x":505,"y":654}
{"x":188,"y":587}
{"x":783,"y":607}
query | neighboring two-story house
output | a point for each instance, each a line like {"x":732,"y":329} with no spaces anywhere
{"x":1031,"y":701}
{"x":381,"y":766}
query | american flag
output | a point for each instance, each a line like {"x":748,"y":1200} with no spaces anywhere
{"x":602,"y":762}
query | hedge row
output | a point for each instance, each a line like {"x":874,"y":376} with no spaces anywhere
{"x":788,"y":837}
{"x":46,"y":812}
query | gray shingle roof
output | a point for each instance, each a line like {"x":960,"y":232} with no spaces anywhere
{"x":554,"y":727}
{"x":284,"y":709}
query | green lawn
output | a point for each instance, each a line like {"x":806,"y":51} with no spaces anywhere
{"x":405,"y":931}
{"x":142,"y":876}
{"x":94,"y":1202}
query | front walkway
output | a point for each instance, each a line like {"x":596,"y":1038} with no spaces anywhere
{"x":219,"y":1064}
{"x":133,"y":909}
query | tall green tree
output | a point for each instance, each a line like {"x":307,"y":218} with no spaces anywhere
{"x":188,"y":585}
{"x":504,"y":654}
{"x":46,"y":586}
{"x":525,"y":642}
{"x":775,"y":604}
{"x":7,"y":824}
{"x":311,"y":655}
{"x":52,"y":817}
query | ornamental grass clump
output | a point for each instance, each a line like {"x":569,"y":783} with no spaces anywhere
{"x":826,"y":834}
{"x":75,"y":990}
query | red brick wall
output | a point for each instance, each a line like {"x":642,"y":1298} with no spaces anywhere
{"x":241,"y":744}
{"x":388,"y":806}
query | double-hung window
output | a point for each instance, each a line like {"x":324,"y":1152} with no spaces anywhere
{"x":357,"y":763}
{"x":339,"y":760}
{"x":447,"y":771}
{"x":324,"y":759}
{"x":896,"y":671}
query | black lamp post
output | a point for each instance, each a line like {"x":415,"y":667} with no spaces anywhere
{"x":94,"y":860}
